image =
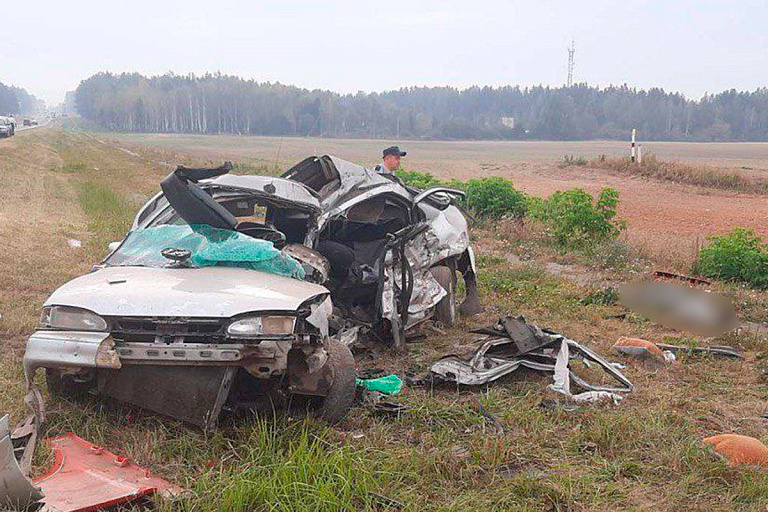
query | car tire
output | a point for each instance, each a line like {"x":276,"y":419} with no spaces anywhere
{"x":445,"y":310}
{"x":65,"y":386}
{"x":337,"y":403}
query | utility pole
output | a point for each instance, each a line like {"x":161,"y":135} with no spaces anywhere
{"x":571,"y":51}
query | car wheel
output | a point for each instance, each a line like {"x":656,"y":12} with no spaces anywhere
{"x":65,"y":386}
{"x":336,"y":404}
{"x":445,"y":310}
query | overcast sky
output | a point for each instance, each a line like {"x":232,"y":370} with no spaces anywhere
{"x":688,"y":46}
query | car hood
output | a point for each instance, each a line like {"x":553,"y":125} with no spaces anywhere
{"x":185,"y":292}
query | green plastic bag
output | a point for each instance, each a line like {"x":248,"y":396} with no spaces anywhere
{"x":388,"y":385}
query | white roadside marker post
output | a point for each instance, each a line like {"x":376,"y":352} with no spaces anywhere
{"x":632,"y":157}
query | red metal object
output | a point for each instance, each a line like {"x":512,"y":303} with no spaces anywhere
{"x":86,"y":477}
{"x":663,"y":274}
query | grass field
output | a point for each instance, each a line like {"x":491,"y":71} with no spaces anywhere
{"x":644,"y":454}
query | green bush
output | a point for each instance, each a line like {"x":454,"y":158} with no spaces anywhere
{"x":494,"y":198}
{"x":417,"y":179}
{"x":574,"y":219}
{"x":491,"y":198}
{"x":737,"y":256}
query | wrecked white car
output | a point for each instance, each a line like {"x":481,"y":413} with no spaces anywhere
{"x":242,"y":292}
{"x":393,"y":251}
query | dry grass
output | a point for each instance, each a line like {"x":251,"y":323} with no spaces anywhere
{"x":685,"y":173}
{"x":645,"y":454}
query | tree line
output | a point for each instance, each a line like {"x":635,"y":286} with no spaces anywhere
{"x":217,"y":103}
{"x":16,"y":101}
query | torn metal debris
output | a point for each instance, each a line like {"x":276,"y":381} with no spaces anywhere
{"x":714,"y":350}
{"x":17,"y":492}
{"x":86,"y":477}
{"x":514,"y":343}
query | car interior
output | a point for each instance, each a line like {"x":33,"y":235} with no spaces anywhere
{"x":250,"y":214}
{"x":354,"y":243}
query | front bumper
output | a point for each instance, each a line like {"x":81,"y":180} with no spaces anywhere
{"x":78,"y":350}
{"x":69,"y":350}
{"x":187,"y":381}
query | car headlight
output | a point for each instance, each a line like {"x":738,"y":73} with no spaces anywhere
{"x":265,"y":325}
{"x":71,"y":319}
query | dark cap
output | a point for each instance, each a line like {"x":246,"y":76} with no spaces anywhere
{"x":393,"y":150}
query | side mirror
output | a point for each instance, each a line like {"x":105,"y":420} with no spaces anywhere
{"x":112,"y":247}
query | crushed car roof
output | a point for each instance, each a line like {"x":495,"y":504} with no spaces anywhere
{"x":287,"y":190}
{"x":336,"y":181}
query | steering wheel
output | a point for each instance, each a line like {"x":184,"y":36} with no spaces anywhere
{"x":262,"y":232}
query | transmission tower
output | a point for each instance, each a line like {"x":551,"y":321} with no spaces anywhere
{"x":571,"y":51}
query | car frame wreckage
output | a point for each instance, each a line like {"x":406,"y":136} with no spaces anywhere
{"x":232,"y":292}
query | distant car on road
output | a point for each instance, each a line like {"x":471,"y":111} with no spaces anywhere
{"x":7,"y":127}
{"x":27,"y":122}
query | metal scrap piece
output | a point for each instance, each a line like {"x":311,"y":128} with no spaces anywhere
{"x":718,"y":350}
{"x":88,"y":477}
{"x":348,"y":336}
{"x":16,"y":490}
{"x":319,"y":315}
{"x":563,"y":377}
{"x":526,"y":337}
{"x":453,"y":369}
{"x":194,"y":394}
{"x":24,"y":437}
{"x":495,"y":358}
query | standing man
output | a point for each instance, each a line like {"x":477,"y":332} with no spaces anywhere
{"x":391,"y":160}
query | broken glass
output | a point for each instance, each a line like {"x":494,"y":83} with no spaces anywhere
{"x":206,"y":246}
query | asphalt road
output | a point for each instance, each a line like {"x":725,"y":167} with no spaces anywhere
{"x":20,"y":128}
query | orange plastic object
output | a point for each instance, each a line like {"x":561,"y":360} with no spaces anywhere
{"x":738,"y":449}
{"x":637,"y":347}
{"x":86,"y":477}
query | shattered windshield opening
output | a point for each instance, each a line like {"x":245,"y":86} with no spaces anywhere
{"x":207,"y":247}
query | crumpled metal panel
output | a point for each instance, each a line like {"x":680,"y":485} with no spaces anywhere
{"x":69,"y":349}
{"x":86,"y":477}
{"x":355,"y":180}
{"x":426,"y":293}
{"x":320,"y":313}
{"x":282,"y":189}
{"x":452,"y":368}
{"x":194,"y":394}
{"x":499,"y":355}
{"x":210,"y":292}
{"x":320,"y":266}
{"x":16,"y":491}
{"x":447,"y":236}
